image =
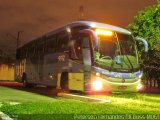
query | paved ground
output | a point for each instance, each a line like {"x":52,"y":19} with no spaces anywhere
{"x":53,"y":92}
{"x":10,"y":84}
{"x":153,"y":90}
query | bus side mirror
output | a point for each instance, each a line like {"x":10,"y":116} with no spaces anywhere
{"x":93,"y":35}
{"x":145,"y":43}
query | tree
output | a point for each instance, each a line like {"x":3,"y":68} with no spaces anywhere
{"x":147,"y":25}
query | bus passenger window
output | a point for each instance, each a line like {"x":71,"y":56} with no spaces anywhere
{"x":62,"y":42}
{"x":75,"y":49}
{"x":78,"y":49}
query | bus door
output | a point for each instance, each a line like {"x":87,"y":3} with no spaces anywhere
{"x":82,"y":58}
{"x":86,"y":52}
{"x":76,"y":76}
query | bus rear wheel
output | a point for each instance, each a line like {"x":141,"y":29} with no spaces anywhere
{"x":64,"y":81}
{"x":25,"y":83}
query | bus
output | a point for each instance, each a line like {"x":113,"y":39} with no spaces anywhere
{"x":83,"y":56}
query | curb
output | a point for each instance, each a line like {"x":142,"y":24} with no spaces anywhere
{"x":4,"y":116}
{"x":82,"y":98}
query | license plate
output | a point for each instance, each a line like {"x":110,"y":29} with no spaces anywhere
{"x":122,"y":87}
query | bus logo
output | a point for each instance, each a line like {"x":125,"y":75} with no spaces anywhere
{"x":61,"y":58}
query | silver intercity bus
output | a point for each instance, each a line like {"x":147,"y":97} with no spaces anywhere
{"x":83,"y":56}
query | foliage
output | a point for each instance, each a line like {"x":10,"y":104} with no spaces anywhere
{"x":147,"y":25}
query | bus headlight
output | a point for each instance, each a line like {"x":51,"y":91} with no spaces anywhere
{"x":139,"y":86}
{"x":97,"y":85}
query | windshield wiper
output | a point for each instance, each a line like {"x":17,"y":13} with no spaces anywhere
{"x":128,"y":59}
{"x":116,"y":54}
{"x":119,"y":48}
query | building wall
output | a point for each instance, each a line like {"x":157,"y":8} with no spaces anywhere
{"x":6,"y":72}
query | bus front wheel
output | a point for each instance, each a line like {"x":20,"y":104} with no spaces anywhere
{"x":64,"y":80}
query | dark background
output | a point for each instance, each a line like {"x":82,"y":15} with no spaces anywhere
{"x":36,"y":17}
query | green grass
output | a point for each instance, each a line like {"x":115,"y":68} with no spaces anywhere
{"x":35,"y":106}
{"x":13,"y":95}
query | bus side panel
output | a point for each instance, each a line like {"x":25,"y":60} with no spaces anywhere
{"x":50,"y":76}
{"x":76,"y":81}
{"x":17,"y":75}
{"x":32,"y":70}
{"x":76,"y":76}
{"x":54,"y":65}
{"x":20,"y":68}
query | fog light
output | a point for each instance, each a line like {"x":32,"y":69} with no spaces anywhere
{"x":97,"y":85}
{"x":139,"y":86}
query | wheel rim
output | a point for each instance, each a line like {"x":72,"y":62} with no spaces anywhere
{"x":24,"y":83}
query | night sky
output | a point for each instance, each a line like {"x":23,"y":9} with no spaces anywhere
{"x":36,"y":17}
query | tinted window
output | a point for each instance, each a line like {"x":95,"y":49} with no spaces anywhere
{"x":63,"y":39}
{"x":50,"y":44}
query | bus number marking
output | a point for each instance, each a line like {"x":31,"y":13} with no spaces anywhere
{"x":61,"y":58}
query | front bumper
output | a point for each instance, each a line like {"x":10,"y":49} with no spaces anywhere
{"x":117,"y":86}
{"x":125,"y":87}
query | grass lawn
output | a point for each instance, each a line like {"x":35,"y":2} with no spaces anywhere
{"x":33,"y":106}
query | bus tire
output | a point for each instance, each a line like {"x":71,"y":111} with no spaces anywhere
{"x":24,"y":81}
{"x":64,"y":80}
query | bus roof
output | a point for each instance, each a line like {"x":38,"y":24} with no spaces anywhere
{"x":92,"y":24}
{"x":83,"y":23}
{"x":102,"y":25}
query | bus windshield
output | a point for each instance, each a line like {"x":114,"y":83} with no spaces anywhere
{"x":116,"y":52}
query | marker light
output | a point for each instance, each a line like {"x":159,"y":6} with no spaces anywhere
{"x":97,"y":74}
{"x":97,"y":85}
{"x":68,"y":30}
{"x":93,"y":25}
{"x":139,"y":86}
{"x":51,"y":77}
{"x":104,"y":32}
